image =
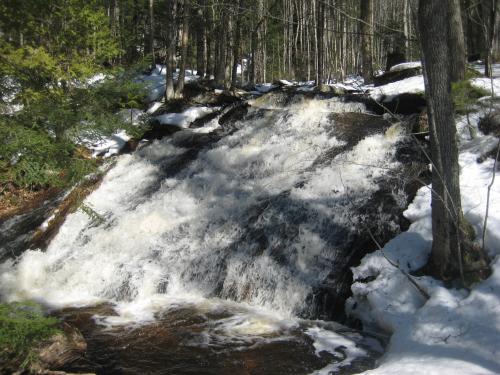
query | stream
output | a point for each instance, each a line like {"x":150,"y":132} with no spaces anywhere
{"x":227,"y":249}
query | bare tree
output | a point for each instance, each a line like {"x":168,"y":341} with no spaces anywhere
{"x":446,"y":206}
{"x":171,"y":6}
{"x":184,"y":47}
{"x":366,"y":28}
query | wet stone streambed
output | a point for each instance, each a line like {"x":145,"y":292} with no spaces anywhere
{"x":220,"y":339}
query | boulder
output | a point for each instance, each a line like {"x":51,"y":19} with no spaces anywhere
{"x":490,"y":124}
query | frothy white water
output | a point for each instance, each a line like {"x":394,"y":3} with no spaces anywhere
{"x":187,"y":234}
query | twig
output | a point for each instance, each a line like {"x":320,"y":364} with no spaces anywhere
{"x":489,"y":192}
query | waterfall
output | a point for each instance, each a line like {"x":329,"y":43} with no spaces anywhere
{"x":263,"y":215}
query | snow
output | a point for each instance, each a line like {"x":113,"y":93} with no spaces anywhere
{"x":479,"y":66}
{"x":413,"y":85}
{"x":185,"y":118}
{"x":406,"y":65}
{"x":97,"y":78}
{"x":156,"y":81}
{"x":153,"y":107}
{"x":108,"y":146}
{"x":454,"y":332}
{"x":488,"y":84}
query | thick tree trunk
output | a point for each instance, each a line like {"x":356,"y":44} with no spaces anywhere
{"x":366,"y":27}
{"x":446,"y":205}
{"x":456,"y":42}
{"x":184,"y":47}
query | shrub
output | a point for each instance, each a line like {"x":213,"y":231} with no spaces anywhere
{"x":22,"y":326}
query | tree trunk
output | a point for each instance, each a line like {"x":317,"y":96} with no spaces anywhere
{"x":446,"y":206}
{"x":456,"y":42}
{"x":184,"y":47}
{"x":366,"y":27}
{"x":320,"y":24}
{"x":220,"y":66}
{"x":237,"y":48}
{"x":152,"y":32}
{"x":201,"y":42}
{"x":171,"y":44}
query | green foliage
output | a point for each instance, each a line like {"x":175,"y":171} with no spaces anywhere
{"x":93,"y":215}
{"x":48,"y":51}
{"x":465,"y":95}
{"x":23,"y":325}
{"x":32,"y":159}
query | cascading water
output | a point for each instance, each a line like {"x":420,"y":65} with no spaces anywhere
{"x":264,"y":216}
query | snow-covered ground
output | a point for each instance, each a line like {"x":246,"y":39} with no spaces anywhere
{"x":454,"y":332}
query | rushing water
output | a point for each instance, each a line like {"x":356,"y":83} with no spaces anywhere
{"x":223,"y":239}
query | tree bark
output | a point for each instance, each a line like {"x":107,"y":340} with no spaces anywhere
{"x":456,"y":42}
{"x":152,"y":32}
{"x":366,"y":28}
{"x":201,"y":41}
{"x":446,"y":205}
{"x":237,"y":48}
{"x":171,"y":44}
{"x":184,"y":47}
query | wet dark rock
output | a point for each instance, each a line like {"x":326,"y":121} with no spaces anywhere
{"x":490,"y":124}
{"x":327,"y":89}
{"x":60,"y":350}
{"x":202,"y":121}
{"x":352,"y":127}
{"x":236,"y":113}
{"x":397,"y":75}
{"x":158,"y":131}
{"x":17,"y":231}
{"x":405,"y":104}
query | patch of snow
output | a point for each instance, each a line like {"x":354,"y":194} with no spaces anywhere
{"x":107,"y":146}
{"x":185,"y":118}
{"x":411,"y":85}
{"x":97,"y":78}
{"x":330,"y":342}
{"x":406,"y":65}
{"x":154,"y":107}
{"x":479,"y":66}
{"x":488,"y":84}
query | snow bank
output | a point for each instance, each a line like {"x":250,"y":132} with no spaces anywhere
{"x":185,"y":118}
{"x":412,"y":85}
{"x":453,"y":332}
